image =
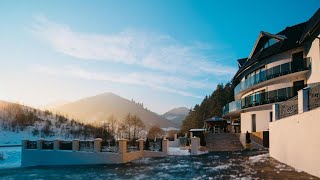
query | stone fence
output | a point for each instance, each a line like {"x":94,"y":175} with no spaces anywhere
{"x":76,"y":152}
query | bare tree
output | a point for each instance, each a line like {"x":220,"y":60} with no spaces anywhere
{"x":155,"y":132}
{"x":112,"y":120}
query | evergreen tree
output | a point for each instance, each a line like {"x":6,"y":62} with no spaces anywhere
{"x":210,"y":106}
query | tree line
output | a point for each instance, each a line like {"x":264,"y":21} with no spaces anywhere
{"x":211,"y":106}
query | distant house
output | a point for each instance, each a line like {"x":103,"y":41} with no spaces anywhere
{"x":278,"y":66}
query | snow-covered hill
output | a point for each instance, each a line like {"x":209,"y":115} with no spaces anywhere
{"x":19,"y":122}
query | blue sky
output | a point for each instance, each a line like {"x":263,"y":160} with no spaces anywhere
{"x":162,"y":53}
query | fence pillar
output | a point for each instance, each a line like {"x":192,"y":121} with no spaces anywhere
{"x":122,"y":146}
{"x":303,"y":100}
{"x":175,"y":137}
{"x":75,"y":145}
{"x":276,"y":112}
{"x":24,"y":144}
{"x":191,"y":134}
{"x":141,"y":141}
{"x":56,"y":144}
{"x":39,"y":143}
{"x":165,"y":146}
{"x":195,"y":141}
{"x":97,"y":145}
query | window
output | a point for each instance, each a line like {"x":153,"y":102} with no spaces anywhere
{"x":253,"y":122}
{"x":255,"y":72}
{"x":269,"y":43}
{"x":271,"y":116}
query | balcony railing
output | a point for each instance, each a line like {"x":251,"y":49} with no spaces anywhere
{"x":271,"y":73}
{"x":231,"y":107}
{"x":262,"y":98}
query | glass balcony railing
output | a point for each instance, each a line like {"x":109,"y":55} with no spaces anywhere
{"x":271,"y":73}
{"x":269,"y":97}
{"x":262,"y":98}
{"x":231,"y":107}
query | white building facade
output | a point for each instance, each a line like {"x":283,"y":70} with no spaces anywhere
{"x":278,"y":66}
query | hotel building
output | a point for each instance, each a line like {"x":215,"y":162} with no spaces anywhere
{"x":278,"y":66}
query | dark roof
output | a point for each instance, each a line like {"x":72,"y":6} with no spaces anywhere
{"x":242,"y":61}
{"x":292,"y":35}
{"x":312,"y":23}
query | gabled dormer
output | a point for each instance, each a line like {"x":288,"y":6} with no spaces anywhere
{"x":264,"y":41}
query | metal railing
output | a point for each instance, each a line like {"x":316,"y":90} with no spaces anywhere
{"x":132,"y":146}
{"x":66,"y":145}
{"x":262,"y":98}
{"x":269,"y":97}
{"x":231,"y":107}
{"x":314,"y":97}
{"x":32,"y":145}
{"x":86,"y":146}
{"x":109,"y":146}
{"x":271,"y":73}
{"x":153,"y":145}
{"x":288,"y":108}
{"x":184,"y":141}
{"x":47,"y":145}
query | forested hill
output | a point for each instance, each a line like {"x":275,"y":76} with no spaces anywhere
{"x":210,"y":106}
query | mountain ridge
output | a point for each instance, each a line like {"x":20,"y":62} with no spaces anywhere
{"x":177,"y":115}
{"x":98,"y":108}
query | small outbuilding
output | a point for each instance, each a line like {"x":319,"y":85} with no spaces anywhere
{"x":215,"y":125}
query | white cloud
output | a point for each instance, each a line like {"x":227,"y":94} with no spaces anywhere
{"x":164,"y":64}
{"x":148,"y":50}
{"x":154,"y":81}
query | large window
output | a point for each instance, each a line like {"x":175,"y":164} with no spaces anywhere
{"x":269,"y":43}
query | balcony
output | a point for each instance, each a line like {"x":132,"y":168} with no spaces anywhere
{"x":258,"y":99}
{"x":269,"y":97}
{"x":232,"y":107}
{"x":277,"y":71}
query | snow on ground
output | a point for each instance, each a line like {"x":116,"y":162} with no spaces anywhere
{"x":219,"y":167}
{"x":258,"y":158}
{"x":176,"y":151}
{"x":12,"y":157}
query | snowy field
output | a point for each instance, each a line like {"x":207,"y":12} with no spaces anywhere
{"x":176,"y":151}
{"x":219,"y":165}
{"x":12,"y":157}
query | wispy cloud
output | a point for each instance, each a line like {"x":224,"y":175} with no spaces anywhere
{"x":167,"y":65}
{"x":149,"y":50}
{"x":158,"y":82}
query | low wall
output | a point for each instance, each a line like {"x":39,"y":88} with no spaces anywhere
{"x":34,"y":157}
{"x":175,"y":143}
{"x":149,"y":154}
{"x":127,"y":157}
{"x":39,"y":155}
{"x":295,"y":141}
